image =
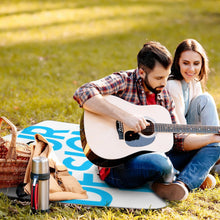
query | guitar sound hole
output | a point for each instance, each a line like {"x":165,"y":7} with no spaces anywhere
{"x":149,"y":130}
{"x":131,"y":136}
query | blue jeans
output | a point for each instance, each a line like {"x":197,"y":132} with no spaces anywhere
{"x":202,"y":110}
{"x":141,"y":169}
{"x":195,"y":165}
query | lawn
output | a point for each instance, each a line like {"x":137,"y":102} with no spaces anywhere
{"x":48,"y":48}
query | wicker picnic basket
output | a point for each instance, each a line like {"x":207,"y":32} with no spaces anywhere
{"x":14,"y":158}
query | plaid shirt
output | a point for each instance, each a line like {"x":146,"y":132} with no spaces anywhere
{"x":128,"y":85}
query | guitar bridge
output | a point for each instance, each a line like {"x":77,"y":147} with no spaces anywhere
{"x":120,"y":129}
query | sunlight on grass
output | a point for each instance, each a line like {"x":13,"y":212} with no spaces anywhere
{"x":49,"y":48}
{"x":72,"y":23}
{"x":52,"y":43}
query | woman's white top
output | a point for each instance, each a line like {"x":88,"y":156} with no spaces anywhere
{"x":182,"y":94}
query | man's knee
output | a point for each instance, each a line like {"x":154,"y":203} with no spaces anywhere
{"x":165,"y":165}
{"x":168,"y":171}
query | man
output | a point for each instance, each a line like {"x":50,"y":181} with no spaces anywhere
{"x":144,"y":86}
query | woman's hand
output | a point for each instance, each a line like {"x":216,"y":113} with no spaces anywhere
{"x":216,"y":137}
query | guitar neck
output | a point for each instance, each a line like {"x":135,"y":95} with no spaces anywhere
{"x":179,"y":128}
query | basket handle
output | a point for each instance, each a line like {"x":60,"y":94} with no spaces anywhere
{"x":12,"y":147}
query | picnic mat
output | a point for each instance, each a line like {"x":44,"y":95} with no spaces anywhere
{"x":65,"y":139}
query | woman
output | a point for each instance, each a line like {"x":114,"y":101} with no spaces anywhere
{"x":189,"y":71}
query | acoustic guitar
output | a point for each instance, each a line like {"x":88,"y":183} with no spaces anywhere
{"x":107,"y":142}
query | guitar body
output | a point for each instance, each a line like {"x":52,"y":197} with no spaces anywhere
{"x":107,"y":142}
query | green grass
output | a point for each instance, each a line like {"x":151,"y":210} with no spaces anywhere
{"x":49,"y":48}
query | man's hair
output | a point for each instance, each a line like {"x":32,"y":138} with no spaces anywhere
{"x":151,"y":52}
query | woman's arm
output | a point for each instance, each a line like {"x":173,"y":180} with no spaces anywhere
{"x":193,"y":141}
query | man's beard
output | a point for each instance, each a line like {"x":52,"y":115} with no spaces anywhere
{"x":154,"y":90}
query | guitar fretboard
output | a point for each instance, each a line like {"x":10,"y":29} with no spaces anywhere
{"x":178,"y":128}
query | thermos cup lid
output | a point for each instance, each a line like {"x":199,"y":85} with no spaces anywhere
{"x":40,"y":165}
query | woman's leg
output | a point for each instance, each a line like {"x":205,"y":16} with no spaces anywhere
{"x":194,"y":166}
{"x":203,"y":111}
{"x":137,"y":171}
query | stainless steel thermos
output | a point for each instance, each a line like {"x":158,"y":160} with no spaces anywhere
{"x":40,"y":175}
